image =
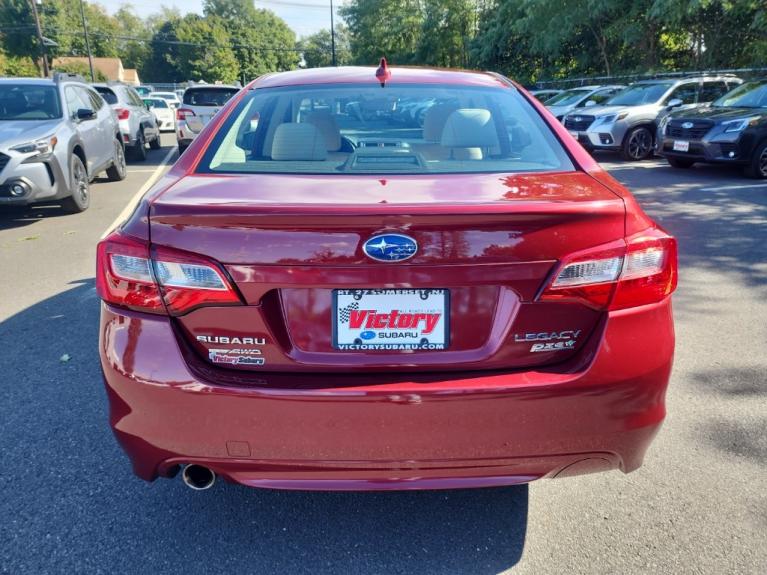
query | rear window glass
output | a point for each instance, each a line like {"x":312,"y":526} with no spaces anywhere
{"x":29,"y":102}
{"x":353,"y":129}
{"x":156,"y":103}
{"x":208,"y":96}
{"x":109,"y":96}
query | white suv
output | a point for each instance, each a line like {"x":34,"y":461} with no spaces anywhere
{"x":200,"y":104}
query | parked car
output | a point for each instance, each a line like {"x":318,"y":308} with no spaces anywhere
{"x":733,"y":130}
{"x":170,"y":97}
{"x":582,"y":97}
{"x":628,"y":121}
{"x":314,"y":300}
{"x":200,"y":104}
{"x":163,"y":113}
{"x":144,"y":91}
{"x":137,"y":124}
{"x":545,"y":95}
{"x":56,"y":135}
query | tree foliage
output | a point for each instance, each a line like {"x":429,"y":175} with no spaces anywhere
{"x":317,"y":48}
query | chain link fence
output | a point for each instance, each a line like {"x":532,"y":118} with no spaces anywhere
{"x":628,"y":78}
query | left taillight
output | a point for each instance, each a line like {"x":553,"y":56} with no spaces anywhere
{"x":620,"y":275}
{"x":159,"y":280}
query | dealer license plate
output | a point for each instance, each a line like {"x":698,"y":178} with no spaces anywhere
{"x":681,"y":146}
{"x":391,"y":319}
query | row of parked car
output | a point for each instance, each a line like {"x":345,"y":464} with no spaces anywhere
{"x":58,"y":134}
{"x":711,"y":119}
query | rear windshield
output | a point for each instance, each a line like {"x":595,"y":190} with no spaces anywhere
{"x":208,"y":96}
{"x":29,"y":102}
{"x":639,"y":94}
{"x":107,"y":94}
{"x":155,"y":102}
{"x":568,"y":97}
{"x":407,"y":129}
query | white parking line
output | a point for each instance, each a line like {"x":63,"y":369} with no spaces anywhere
{"x":133,"y":202}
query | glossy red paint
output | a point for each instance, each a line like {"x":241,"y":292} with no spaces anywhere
{"x":486,"y":411}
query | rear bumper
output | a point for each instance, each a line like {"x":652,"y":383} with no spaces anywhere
{"x":411,"y":431}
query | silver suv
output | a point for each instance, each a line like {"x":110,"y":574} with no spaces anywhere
{"x":56,"y":135}
{"x":199,"y":104}
{"x":628,"y":121}
{"x":138,"y":125}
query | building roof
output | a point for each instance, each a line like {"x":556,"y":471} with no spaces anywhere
{"x":130,"y":76}
{"x":112,"y":68}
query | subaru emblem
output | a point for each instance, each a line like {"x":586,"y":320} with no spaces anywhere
{"x":577,"y":118}
{"x":390,"y":248}
{"x":687,"y":125}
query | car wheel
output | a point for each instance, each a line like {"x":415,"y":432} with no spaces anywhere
{"x":637,"y":145}
{"x":79,"y":186}
{"x":758,"y":166}
{"x":680,"y":162}
{"x":156,"y":144}
{"x":117,"y":171}
{"x":139,"y":150}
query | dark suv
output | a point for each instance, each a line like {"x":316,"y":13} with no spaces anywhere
{"x":733,"y":130}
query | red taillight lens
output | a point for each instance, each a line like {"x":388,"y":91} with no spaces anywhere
{"x":182,"y":113}
{"x":619,"y":275}
{"x":122,"y":113}
{"x":167,"y":280}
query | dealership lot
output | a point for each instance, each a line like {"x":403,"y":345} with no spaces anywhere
{"x":697,"y":506}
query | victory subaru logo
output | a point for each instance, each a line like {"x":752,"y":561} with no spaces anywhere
{"x":687,"y":125}
{"x":390,"y":248}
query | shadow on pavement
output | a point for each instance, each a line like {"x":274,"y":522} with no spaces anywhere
{"x":718,"y":215}
{"x":71,"y":503}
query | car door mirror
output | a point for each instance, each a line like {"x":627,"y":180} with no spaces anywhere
{"x":674,"y":103}
{"x":85,"y":114}
{"x":590,"y":103}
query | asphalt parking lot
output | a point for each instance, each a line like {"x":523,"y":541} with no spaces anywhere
{"x":698,"y":505}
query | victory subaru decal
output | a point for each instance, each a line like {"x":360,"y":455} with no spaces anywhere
{"x":390,"y":248}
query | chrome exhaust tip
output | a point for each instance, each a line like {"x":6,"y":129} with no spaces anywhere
{"x":198,"y":477}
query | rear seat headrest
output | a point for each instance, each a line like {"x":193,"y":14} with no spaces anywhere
{"x":470,"y":128}
{"x":298,"y":142}
{"x":328,"y":127}
{"x":434,"y":121}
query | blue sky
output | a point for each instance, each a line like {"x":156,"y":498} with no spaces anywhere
{"x":303,"y":16}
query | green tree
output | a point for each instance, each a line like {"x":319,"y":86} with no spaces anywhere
{"x":261,"y":41}
{"x":20,"y":66}
{"x":390,"y":28}
{"x":317,"y":48}
{"x":448,"y":29}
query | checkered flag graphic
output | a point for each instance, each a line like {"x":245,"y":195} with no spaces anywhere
{"x":345,"y":312}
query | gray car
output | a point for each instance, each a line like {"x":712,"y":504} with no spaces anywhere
{"x":138,"y":125}
{"x":56,"y":135}
{"x":581,"y":97}
{"x":627,"y":122}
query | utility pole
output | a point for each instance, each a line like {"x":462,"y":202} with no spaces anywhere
{"x":332,"y":34}
{"x":40,"y":37}
{"x":87,"y":42}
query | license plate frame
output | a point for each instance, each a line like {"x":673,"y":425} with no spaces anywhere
{"x":426,"y":302}
{"x":681,"y":146}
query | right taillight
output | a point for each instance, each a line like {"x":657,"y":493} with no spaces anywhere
{"x":122,"y":113}
{"x":639,"y":271}
{"x":182,"y":113}
{"x":158,"y":280}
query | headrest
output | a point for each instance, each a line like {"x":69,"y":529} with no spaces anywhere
{"x":298,"y":142}
{"x":328,"y":127}
{"x":469,"y":128}
{"x":434,"y":121}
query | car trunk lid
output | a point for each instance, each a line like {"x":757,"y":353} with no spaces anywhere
{"x":290,"y":242}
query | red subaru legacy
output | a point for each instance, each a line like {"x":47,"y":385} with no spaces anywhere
{"x":408,"y":280}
